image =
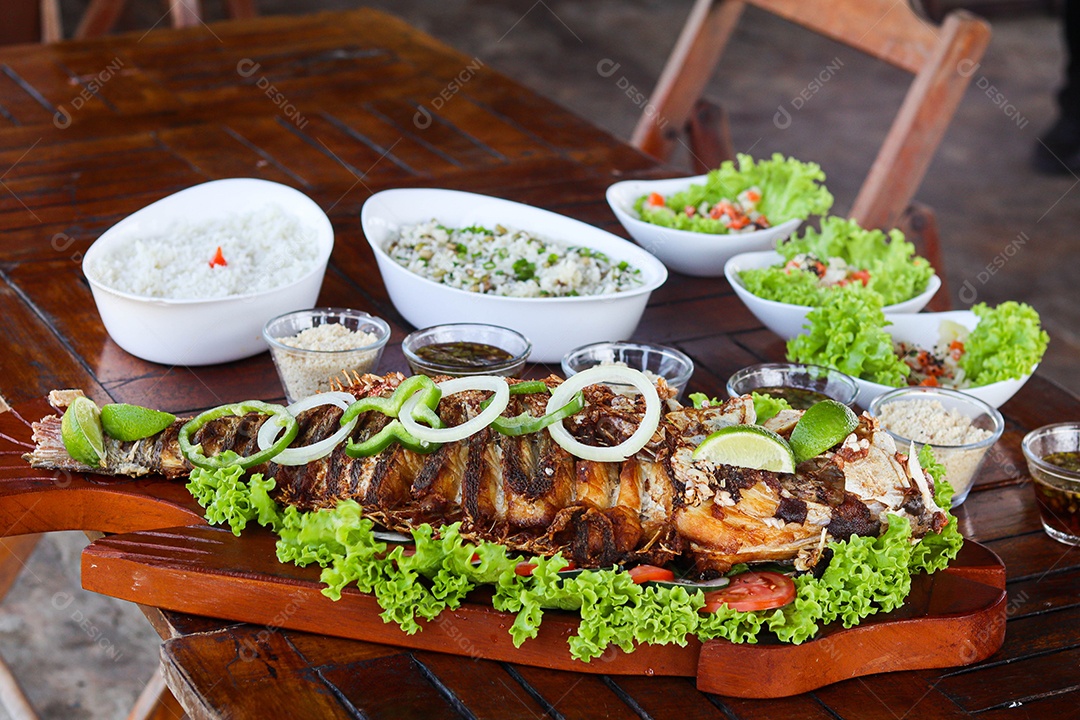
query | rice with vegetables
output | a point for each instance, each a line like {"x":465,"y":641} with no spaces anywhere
{"x":508,"y":262}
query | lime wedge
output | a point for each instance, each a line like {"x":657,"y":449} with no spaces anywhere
{"x":80,"y":430}
{"x":749,"y":446}
{"x":132,"y":422}
{"x":823,"y":425}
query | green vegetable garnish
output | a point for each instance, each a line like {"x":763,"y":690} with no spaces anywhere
{"x":847,"y":332}
{"x":278,"y":414}
{"x":895,"y":272}
{"x":1006,"y":344}
{"x":790,"y":189}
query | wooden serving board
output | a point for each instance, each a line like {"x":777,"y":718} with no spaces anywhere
{"x":161,"y":553}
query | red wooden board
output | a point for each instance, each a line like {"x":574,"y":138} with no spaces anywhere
{"x":165,"y":556}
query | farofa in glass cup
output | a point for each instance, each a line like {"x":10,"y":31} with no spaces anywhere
{"x":313,"y":349}
{"x":959,"y":429}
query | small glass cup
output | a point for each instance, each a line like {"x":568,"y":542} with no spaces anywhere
{"x":505,"y":339}
{"x":961,"y":462}
{"x":672,"y":365}
{"x":814,"y":378}
{"x":306,"y":372}
{"x":1057,"y":489}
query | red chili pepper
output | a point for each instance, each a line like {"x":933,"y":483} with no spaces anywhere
{"x":218,"y":258}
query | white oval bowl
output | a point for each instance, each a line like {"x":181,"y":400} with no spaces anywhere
{"x":684,"y":251}
{"x":553,"y":325}
{"x":922,"y":329}
{"x":206,"y":331}
{"x":785,"y":319}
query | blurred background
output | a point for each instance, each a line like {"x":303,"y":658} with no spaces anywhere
{"x":1008,"y":232}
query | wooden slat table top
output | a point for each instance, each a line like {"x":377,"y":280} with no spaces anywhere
{"x":342,"y":105}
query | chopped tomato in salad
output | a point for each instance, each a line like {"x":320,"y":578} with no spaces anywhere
{"x":218,"y":259}
{"x":753,"y":590}
{"x":740,"y":214}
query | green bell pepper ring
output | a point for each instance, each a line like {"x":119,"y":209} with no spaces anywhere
{"x":194,"y":453}
{"x":394,"y":431}
{"x":525,"y":423}
{"x":391,"y":406}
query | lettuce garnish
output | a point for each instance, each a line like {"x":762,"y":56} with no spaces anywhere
{"x":865,"y":575}
{"x":847,"y":332}
{"x":790,"y":189}
{"x":1006,"y":344}
{"x":765,"y":406}
{"x":896,"y":273}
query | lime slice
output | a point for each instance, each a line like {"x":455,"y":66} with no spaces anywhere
{"x":749,"y":446}
{"x":80,"y":430}
{"x":132,"y":422}
{"x":823,"y":425}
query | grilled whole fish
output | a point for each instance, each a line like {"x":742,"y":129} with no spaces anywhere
{"x":528,"y":493}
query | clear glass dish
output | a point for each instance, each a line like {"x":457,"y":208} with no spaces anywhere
{"x":1057,"y":489}
{"x":505,"y":339}
{"x":672,"y":365}
{"x":815,"y":378}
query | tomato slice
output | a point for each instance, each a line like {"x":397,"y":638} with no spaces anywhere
{"x":524,"y":569}
{"x":656,"y":199}
{"x":752,"y":590}
{"x":649,"y":573}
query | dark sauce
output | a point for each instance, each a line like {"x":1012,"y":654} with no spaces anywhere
{"x":463,"y":354}
{"x":797,"y":398}
{"x":1069,"y":460}
{"x":1058,"y":506}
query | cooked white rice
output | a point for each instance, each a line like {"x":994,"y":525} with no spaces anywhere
{"x":508,"y":262}
{"x":263,"y":249}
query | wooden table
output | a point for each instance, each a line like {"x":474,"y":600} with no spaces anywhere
{"x":342,"y":105}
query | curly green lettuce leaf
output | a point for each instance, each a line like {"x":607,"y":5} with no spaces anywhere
{"x":224,"y":495}
{"x":848,"y":333}
{"x":790,"y":189}
{"x":896,"y":273}
{"x":1007,"y":343}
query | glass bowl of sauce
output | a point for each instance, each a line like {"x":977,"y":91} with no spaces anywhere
{"x":800,"y":385}
{"x":1053,"y":458}
{"x":673,"y":365}
{"x":460,"y":349}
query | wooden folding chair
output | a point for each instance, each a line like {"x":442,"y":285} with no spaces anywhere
{"x":942,"y":59}
{"x":101,"y":16}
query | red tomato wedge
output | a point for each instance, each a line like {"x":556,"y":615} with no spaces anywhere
{"x":752,"y":591}
{"x":649,"y":573}
{"x":218,"y":259}
{"x":524,"y":569}
{"x":656,"y":199}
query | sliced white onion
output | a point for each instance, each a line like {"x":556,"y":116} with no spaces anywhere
{"x":499,"y":401}
{"x":595,"y":376}
{"x":270,"y":430}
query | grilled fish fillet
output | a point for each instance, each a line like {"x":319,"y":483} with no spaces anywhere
{"x":528,"y":493}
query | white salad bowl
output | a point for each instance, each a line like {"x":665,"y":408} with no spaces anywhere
{"x":554,"y":325}
{"x":786,"y":319}
{"x":206,"y":331}
{"x":684,"y":251}
{"x":922,"y":329}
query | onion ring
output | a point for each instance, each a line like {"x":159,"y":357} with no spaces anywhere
{"x":315,"y":451}
{"x":499,"y":401}
{"x":594,"y":376}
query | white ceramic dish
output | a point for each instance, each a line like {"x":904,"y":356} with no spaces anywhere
{"x":922,"y":330}
{"x":785,"y":319}
{"x":553,"y":325}
{"x":206,"y":332}
{"x":690,"y":253}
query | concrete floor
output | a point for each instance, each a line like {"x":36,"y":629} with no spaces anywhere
{"x":992,"y":209}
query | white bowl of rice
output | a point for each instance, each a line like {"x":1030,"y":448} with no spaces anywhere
{"x":451,"y":257}
{"x":192,"y":278}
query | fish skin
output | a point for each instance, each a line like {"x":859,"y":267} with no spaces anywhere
{"x":527,"y":492}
